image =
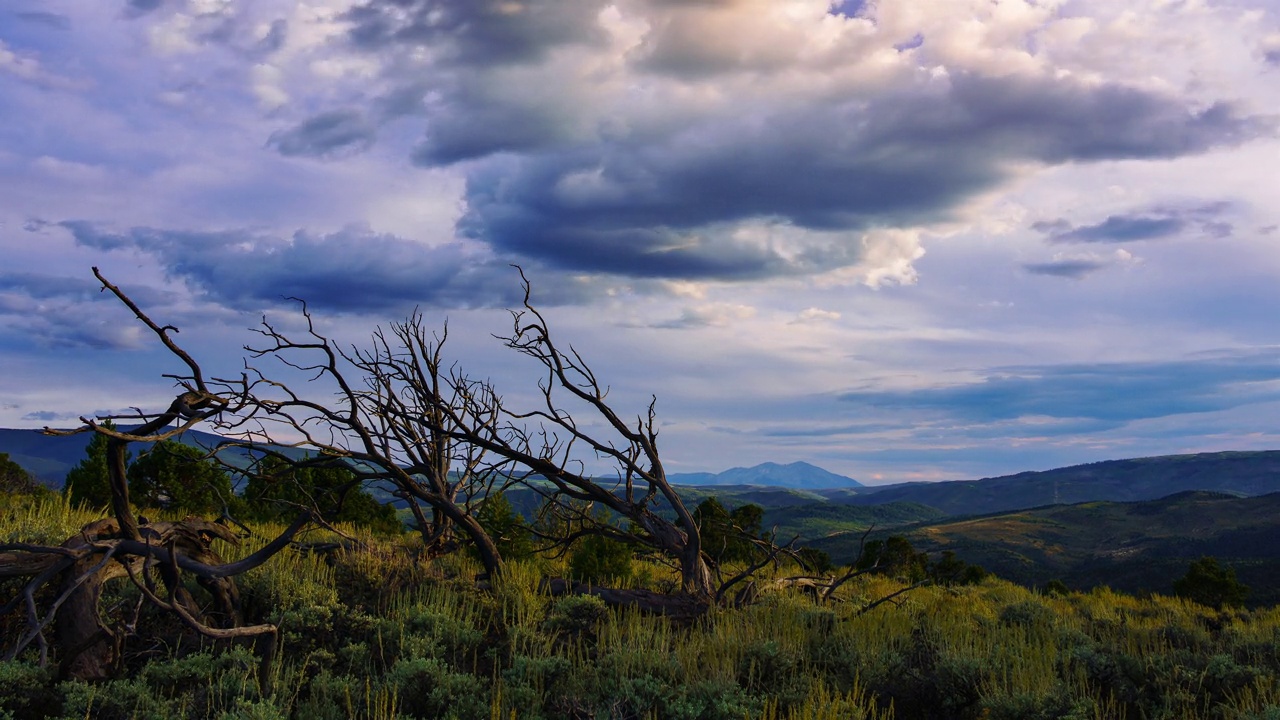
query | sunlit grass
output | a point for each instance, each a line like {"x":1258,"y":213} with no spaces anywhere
{"x":386,"y":632}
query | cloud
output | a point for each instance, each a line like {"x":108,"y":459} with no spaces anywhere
{"x":138,"y":8}
{"x":48,"y":19}
{"x":1074,"y":269}
{"x":1077,"y":266}
{"x":1149,"y":224}
{"x":61,"y":314}
{"x":656,"y":139}
{"x":1116,"y":392}
{"x":47,"y":416}
{"x":816,"y":315}
{"x":27,"y":68}
{"x":333,"y":134}
{"x":353,"y":270}
{"x":476,"y":32}
{"x":671,"y":205}
{"x":709,"y":315}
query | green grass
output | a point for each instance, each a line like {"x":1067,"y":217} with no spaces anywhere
{"x":389,"y":634}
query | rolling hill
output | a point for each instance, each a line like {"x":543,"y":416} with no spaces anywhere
{"x":1129,"y":546}
{"x":1234,"y":473}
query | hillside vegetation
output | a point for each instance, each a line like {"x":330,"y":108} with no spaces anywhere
{"x":1136,"y":547}
{"x":1235,"y":473}
{"x":383,"y":632}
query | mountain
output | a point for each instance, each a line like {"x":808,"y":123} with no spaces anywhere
{"x":1131,"y":546}
{"x":1234,"y":473}
{"x":798,"y":475}
{"x":49,"y":457}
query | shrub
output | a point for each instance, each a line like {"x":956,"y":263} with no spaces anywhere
{"x":598,"y":559}
{"x":1208,"y":583}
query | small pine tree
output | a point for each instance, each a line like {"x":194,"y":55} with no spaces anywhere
{"x":599,"y":559}
{"x":725,"y":534}
{"x":277,"y":487}
{"x":505,"y":526}
{"x":89,"y":482}
{"x":895,"y":557}
{"x":1208,"y":583}
{"x":178,"y":477}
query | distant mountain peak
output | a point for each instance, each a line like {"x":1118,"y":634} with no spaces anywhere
{"x":797,"y":475}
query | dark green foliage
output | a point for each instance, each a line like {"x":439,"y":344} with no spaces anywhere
{"x":15,"y":480}
{"x":599,"y":559}
{"x":429,"y":689}
{"x":505,"y":526}
{"x":1208,"y":583}
{"x":951,"y":570}
{"x":89,"y":483}
{"x":1056,"y":588}
{"x":26,"y":692}
{"x":815,"y":560}
{"x":726,"y":536}
{"x":575,"y":616}
{"x":894,"y":557}
{"x":277,"y":489}
{"x":178,"y":477}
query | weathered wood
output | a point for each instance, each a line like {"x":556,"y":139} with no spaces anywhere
{"x":26,"y":564}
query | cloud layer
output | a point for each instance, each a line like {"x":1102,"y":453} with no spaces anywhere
{"x":910,"y":238}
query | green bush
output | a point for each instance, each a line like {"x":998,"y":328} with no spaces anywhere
{"x":25,"y":691}
{"x":1210,"y":584}
{"x":600,"y":560}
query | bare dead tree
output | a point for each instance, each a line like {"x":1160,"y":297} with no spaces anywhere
{"x":122,"y":546}
{"x":391,"y":416}
{"x":546,"y":441}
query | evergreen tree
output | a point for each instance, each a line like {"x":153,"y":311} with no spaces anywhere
{"x":275,"y":490}
{"x":505,"y":526}
{"x":599,"y":559}
{"x":1208,"y":583}
{"x":726,"y":535}
{"x":89,"y":482}
{"x":895,"y":557}
{"x":14,"y":479}
{"x":178,"y":477}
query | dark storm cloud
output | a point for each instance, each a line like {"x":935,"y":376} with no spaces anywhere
{"x":476,"y":32}
{"x":1116,"y":392}
{"x":665,"y":205}
{"x":476,"y":123}
{"x":1074,"y":269}
{"x":1152,"y":224}
{"x":336,"y":133}
{"x":48,"y":19}
{"x":353,"y":270}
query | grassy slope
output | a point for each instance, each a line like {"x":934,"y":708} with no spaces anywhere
{"x":385,"y":634}
{"x":1141,"y":546}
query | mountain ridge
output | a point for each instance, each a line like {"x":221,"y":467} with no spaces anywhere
{"x":797,"y":475}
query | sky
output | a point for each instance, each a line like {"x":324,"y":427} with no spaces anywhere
{"x":902,"y":240}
